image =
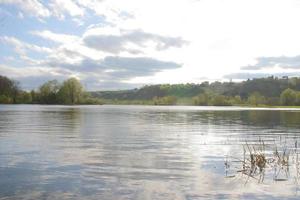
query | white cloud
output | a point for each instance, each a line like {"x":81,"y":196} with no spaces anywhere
{"x":74,"y":8}
{"x":131,"y":41}
{"x":57,"y":8}
{"x":22,"y":47}
{"x":32,"y":77}
{"x":283,"y":62}
{"x":222,"y":35}
{"x":17,"y":72}
{"x":110,"y":9}
{"x":30,"y":7}
{"x":56,"y":37}
{"x":60,"y":7}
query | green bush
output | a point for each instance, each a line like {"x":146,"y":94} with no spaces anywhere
{"x":288,"y":97}
{"x":5,"y":99}
{"x":167,"y":100}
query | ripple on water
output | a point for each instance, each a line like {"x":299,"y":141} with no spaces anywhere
{"x":137,"y":152}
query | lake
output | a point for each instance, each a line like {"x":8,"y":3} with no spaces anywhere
{"x":148,"y":152}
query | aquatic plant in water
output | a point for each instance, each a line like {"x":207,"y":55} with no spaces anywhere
{"x":260,"y":159}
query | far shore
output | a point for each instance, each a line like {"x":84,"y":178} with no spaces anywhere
{"x":177,"y":105}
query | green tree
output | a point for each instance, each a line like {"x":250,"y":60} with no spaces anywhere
{"x":297,"y":102}
{"x":273,"y":101}
{"x":24,"y":97}
{"x":71,"y":91}
{"x":48,"y":92}
{"x":288,"y":97}
{"x":9,"y":89}
{"x":15,"y":91}
{"x":5,"y":99}
{"x":219,"y":100}
{"x":236,"y":100}
{"x":256,"y":98}
{"x":167,"y":100}
{"x":201,"y":99}
{"x":35,"y":97}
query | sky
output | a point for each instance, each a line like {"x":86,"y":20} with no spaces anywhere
{"x":123,"y":44}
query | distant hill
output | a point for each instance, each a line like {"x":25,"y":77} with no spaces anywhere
{"x":151,"y":91}
{"x":268,"y":87}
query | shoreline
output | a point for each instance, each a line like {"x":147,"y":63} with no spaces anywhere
{"x":152,"y":105}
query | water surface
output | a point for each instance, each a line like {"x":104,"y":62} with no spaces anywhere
{"x":141,"y":152}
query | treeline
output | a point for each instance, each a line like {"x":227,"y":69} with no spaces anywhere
{"x":69,"y":92}
{"x":9,"y":90}
{"x":151,"y":91}
{"x":272,"y":91}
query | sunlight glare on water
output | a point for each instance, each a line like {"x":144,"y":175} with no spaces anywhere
{"x":137,"y":152}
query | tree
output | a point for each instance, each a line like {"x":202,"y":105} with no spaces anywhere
{"x":15,"y":90}
{"x":5,"y":99}
{"x":288,"y":97}
{"x":9,"y":89}
{"x":5,"y":86}
{"x":35,"y":97}
{"x":24,"y":97}
{"x":297,"y":102}
{"x":48,"y":92}
{"x":201,"y":100}
{"x":220,"y":100}
{"x":256,"y":98}
{"x":71,"y":91}
{"x":167,"y":100}
{"x":236,"y":100}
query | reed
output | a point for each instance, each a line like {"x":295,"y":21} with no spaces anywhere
{"x":260,"y":158}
